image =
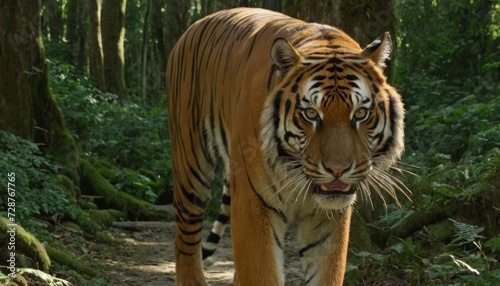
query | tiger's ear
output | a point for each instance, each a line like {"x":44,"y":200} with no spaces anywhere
{"x":379,"y":51}
{"x":284,"y":55}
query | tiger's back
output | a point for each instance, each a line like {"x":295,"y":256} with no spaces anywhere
{"x":287,"y":110}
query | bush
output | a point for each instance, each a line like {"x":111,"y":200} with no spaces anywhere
{"x":40,"y":190}
{"x":131,"y":135}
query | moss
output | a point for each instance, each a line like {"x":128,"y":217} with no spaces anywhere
{"x":71,"y":225}
{"x":26,"y":245}
{"x":440,"y":232}
{"x":87,"y":205}
{"x":86,"y":223}
{"x":104,"y":237}
{"x":94,"y":183}
{"x":106,"y":169}
{"x":67,"y":259}
{"x":106,"y":217}
{"x":65,"y":182}
{"x":66,"y":153}
{"x":18,"y":281}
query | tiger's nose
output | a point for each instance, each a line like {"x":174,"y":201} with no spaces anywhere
{"x":337,"y":169}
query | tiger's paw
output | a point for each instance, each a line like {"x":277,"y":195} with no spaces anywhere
{"x":209,"y":261}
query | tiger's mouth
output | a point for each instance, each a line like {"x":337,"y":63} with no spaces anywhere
{"x":335,"y":187}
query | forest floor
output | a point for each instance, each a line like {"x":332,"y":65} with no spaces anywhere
{"x":144,"y":256}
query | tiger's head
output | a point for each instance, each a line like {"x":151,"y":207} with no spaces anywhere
{"x":333,"y":125}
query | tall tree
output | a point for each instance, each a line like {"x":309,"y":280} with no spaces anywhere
{"x":113,"y":36}
{"x":363,"y":20}
{"x":96,"y":63}
{"x":77,"y":32}
{"x":26,"y":104}
{"x":52,"y":17}
{"x":271,"y":5}
{"x":158,"y":32}
{"x":19,"y":72}
{"x":144,"y":48}
{"x":177,"y":21}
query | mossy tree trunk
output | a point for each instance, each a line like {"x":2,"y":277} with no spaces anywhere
{"x":95,"y":44}
{"x":113,"y":35}
{"x":26,"y":101}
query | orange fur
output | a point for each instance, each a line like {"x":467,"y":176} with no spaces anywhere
{"x":296,"y":116}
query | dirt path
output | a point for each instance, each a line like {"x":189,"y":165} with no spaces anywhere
{"x":146,"y":258}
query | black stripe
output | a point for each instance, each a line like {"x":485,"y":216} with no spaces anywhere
{"x":198,"y":177}
{"x":182,"y":212}
{"x":311,"y":245}
{"x":226,"y":199}
{"x":193,"y":197}
{"x":393,"y":118}
{"x":222,"y":218}
{"x":276,"y":107}
{"x":206,"y":253}
{"x":353,"y":84}
{"x":193,"y":232}
{"x":185,"y":253}
{"x":277,"y":239}
{"x":189,"y":243}
{"x":310,"y":278}
{"x":318,"y":84}
{"x":213,"y":237}
{"x":319,"y":77}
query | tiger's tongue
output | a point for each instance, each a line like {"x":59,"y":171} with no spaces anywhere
{"x":337,"y":186}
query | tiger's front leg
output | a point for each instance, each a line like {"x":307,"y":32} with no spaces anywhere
{"x":323,"y":240}
{"x":257,"y":232}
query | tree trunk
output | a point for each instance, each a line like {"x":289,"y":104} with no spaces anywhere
{"x":20,"y":69}
{"x":113,"y":35}
{"x":158,"y":32}
{"x":95,"y":44}
{"x":52,"y":17}
{"x":274,"y":5}
{"x":25,"y":98}
{"x":363,"y":20}
{"x":77,"y":32}
{"x":144,"y":50}
{"x":177,"y":23}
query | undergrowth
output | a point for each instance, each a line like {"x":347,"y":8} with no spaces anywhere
{"x":132,"y":136}
{"x":40,"y":191}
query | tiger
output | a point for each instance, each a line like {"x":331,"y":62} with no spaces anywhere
{"x":298,"y":119}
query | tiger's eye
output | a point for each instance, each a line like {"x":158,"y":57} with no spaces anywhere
{"x":361,"y":113}
{"x":311,"y":113}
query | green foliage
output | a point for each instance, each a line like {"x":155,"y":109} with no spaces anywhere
{"x":131,"y":135}
{"x":447,"y":72}
{"x":39,"y":190}
{"x":137,"y":185}
{"x":462,"y":261}
{"x":449,"y":45}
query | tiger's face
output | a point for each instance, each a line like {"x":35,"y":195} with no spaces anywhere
{"x":338,"y":127}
